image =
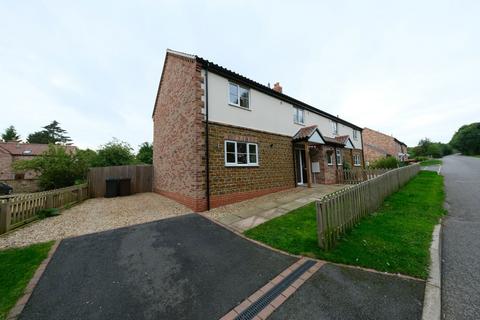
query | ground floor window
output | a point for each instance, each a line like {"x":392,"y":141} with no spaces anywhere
{"x":241,"y":153}
{"x":339,"y":157}
{"x":356,"y":160}
{"x":329,"y":157}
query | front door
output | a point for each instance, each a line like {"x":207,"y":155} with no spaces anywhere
{"x":301,"y":166}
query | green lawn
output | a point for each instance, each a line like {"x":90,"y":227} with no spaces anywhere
{"x":17,"y":267}
{"x":431,"y":162}
{"x":394,"y":239}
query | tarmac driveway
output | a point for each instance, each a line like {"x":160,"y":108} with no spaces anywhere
{"x":180,"y":268}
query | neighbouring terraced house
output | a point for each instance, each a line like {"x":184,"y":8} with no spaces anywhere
{"x":378,"y":145}
{"x":220,"y":137}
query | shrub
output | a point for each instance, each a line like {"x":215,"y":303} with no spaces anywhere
{"x":385,"y":163}
{"x":46,"y":213}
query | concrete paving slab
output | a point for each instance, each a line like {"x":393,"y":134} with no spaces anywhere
{"x":248,"y":223}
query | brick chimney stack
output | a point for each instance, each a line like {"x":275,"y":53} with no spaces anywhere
{"x":277,"y":87}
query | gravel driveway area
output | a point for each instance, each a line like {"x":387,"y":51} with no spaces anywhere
{"x":94,"y":215}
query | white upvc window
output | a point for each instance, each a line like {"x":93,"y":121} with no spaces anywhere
{"x":238,"y":96}
{"x":298,"y":115}
{"x":330,"y":158}
{"x":355,"y":134}
{"x":240,"y":154}
{"x":339,"y":157}
{"x":356,"y":160}
{"x":334,"y":127}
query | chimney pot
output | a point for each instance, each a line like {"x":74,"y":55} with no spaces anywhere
{"x":277,"y":87}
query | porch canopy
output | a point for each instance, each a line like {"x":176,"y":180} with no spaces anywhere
{"x":307,"y":136}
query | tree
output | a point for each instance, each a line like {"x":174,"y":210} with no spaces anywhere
{"x":145,"y":153}
{"x":57,"y":166}
{"x":114,"y":153}
{"x":467,"y":139}
{"x":51,"y":133}
{"x":10,"y":134}
{"x":39,"y":137}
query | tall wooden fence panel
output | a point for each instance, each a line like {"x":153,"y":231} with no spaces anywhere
{"x":17,"y":210}
{"x":140,"y":178}
{"x":340,"y":211}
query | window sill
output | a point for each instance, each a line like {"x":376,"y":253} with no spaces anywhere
{"x":299,"y":123}
{"x":239,"y":107}
{"x":241,"y":165}
{"x":357,"y":165}
{"x":330,"y":164}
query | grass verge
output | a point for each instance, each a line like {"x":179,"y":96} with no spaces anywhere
{"x":17,"y":267}
{"x":431,"y":162}
{"x":396,"y":238}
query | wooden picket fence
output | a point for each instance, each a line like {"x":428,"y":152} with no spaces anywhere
{"x":18,"y":210}
{"x":354,"y":176}
{"x":340,"y":211}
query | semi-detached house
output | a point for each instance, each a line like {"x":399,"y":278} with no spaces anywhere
{"x":220,"y":137}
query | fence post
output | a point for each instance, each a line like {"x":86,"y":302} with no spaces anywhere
{"x":4,"y":217}
{"x":49,"y":202}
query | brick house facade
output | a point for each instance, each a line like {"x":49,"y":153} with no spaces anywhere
{"x":377,"y":145}
{"x":13,"y":151}
{"x":259,"y":139}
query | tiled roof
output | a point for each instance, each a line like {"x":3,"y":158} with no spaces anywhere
{"x":26,"y":149}
{"x":304,"y":133}
{"x":333,"y":141}
{"x":342,"y":139}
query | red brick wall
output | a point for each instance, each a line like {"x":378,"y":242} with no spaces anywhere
{"x":377,"y":145}
{"x":231,"y":184}
{"x":178,"y":139}
{"x":6,"y":171}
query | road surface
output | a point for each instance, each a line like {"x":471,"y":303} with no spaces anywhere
{"x":461,"y":238}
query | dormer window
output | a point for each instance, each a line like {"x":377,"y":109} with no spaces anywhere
{"x":238,"y":96}
{"x":298,"y":115}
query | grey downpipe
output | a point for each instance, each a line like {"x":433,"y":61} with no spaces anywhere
{"x":207,"y":154}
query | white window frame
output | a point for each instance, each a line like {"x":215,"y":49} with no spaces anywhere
{"x":296,"y":112}
{"x":356,"y":160}
{"x":355,"y":134}
{"x":338,"y":155}
{"x":330,"y":158}
{"x":334,"y":127}
{"x":236,"y":164}
{"x":238,"y":95}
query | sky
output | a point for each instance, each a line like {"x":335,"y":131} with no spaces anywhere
{"x":407,"y":68}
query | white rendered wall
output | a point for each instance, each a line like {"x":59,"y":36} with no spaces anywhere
{"x":266,"y":113}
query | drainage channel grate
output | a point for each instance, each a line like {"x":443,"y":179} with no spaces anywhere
{"x":269,"y":296}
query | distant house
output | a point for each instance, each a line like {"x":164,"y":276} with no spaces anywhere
{"x":13,"y":151}
{"x":377,"y":145}
{"x":220,"y":137}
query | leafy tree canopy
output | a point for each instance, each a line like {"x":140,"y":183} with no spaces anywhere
{"x":114,"y":153}
{"x":51,"y":133}
{"x":10,"y":134}
{"x":145,"y":153}
{"x":467,"y":139}
{"x":427,"y":148}
{"x":58,"y":167}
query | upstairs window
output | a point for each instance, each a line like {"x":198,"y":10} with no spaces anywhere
{"x":334,"y":128}
{"x":339,"y":157}
{"x":298,"y":115}
{"x":238,"y":96}
{"x":241,"y":154}
{"x":355,"y":134}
